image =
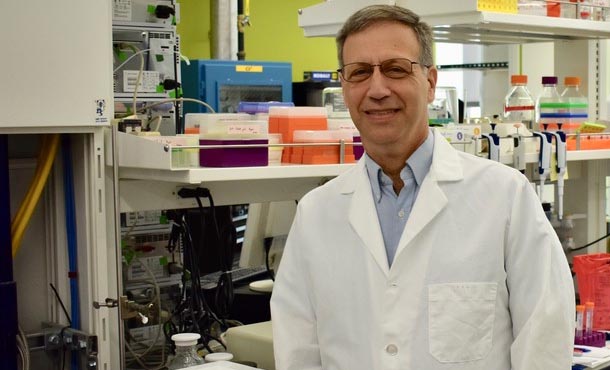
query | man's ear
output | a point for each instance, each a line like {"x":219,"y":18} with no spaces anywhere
{"x":432,"y":77}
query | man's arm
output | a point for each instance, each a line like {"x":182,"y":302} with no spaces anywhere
{"x":541,"y":290}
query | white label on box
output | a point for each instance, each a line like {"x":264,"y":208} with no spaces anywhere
{"x":148,"y":81}
{"x":121,"y":10}
{"x":243,"y":129}
{"x":461,"y":133}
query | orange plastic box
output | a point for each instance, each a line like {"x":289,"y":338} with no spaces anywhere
{"x":323,"y":154}
{"x":589,"y":142}
{"x":286,"y":120}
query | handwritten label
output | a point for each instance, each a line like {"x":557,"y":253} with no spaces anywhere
{"x":243,"y":129}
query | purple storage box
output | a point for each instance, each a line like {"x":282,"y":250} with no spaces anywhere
{"x":358,"y":149}
{"x":233,"y":157}
{"x":261,"y":107}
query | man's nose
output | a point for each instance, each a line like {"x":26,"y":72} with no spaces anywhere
{"x":378,"y":84}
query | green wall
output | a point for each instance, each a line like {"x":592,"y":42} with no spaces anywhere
{"x":273,"y":36}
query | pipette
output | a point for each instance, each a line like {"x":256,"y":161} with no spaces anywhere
{"x":561,"y":166}
{"x":493,"y":149}
{"x":518,"y":150}
{"x":544,"y":160}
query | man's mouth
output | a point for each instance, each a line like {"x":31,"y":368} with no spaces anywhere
{"x":381,"y":113}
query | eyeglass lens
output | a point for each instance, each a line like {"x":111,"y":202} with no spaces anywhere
{"x":391,"y":68}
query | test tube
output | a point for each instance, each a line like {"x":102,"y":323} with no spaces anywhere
{"x":589,"y":306}
{"x":580,"y":312}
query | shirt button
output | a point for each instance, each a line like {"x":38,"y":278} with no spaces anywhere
{"x":401,"y":214}
{"x":391,"y":349}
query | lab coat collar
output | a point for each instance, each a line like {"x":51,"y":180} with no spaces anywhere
{"x":446,"y":166}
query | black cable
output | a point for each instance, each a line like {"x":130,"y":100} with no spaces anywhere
{"x":192,"y":313}
{"x":62,"y":304}
{"x":63,"y":348}
{"x":196,"y":305}
{"x":224,"y":294}
{"x":590,"y":244}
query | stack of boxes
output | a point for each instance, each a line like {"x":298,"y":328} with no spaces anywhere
{"x":283,"y":124}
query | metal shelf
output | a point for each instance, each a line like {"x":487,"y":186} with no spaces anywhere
{"x":461,"y":22}
{"x":238,"y":185}
{"x":586,"y":155}
{"x":473,"y":66}
{"x":207,"y":175}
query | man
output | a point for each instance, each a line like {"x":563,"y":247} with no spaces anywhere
{"x":421,"y":256}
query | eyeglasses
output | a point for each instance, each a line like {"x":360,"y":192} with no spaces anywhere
{"x":396,"y":69}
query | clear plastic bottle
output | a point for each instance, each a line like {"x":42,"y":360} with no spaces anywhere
{"x":577,"y":110}
{"x":518,"y":103}
{"x":585,"y":10}
{"x":549,"y":104}
{"x":186,"y":351}
{"x":568,"y":9}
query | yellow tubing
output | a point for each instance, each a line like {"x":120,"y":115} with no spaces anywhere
{"x":42,"y":152}
{"x":38,"y":182}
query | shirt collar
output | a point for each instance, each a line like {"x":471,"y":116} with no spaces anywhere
{"x":417,"y":166}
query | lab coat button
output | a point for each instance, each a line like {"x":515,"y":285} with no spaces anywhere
{"x":401,"y":214}
{"x":391,"y":349}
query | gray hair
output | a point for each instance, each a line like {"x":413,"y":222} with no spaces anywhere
{"x":374,"y":14}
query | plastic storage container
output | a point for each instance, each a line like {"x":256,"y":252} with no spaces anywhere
{"x":577,"y":105}
{"x":519,"y":105}
{"x":323,"y":154}
{"x":186,"y":351}
{"x":222,"y":129}
{"x":549,"y":105}
{"x":286,"y":120}
{"x":275,"y":152}
{"x":194,"y":121}
{"x":348,"y":124}
{"x":332,"y":100}
{"x":261,"y":107}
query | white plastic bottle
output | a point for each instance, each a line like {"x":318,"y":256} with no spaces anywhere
{"x":186,"y":351}
{"x":519,"y":106}
{"x":577,"y":110}
{"x":548,"y":105}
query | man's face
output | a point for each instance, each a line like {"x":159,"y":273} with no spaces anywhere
{"x":388,"y":112}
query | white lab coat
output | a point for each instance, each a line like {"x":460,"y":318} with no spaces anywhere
{"x":479,"y":280}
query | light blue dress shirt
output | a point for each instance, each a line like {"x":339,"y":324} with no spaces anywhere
{"x":393,"y":210}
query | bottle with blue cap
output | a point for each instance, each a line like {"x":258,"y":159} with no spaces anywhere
{"x":186,"y":351}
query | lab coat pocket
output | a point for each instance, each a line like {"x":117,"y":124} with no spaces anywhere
{"x":460,"y":320}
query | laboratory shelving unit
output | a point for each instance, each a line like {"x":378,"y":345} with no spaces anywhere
{"x":57,"y":79}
